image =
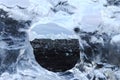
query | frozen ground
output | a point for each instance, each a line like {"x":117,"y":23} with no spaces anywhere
{"x":50,"y":19}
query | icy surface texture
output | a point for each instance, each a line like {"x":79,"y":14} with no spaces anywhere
{"x":100,"y":46}
{"x":99,"y":22}
{"x":16,"y":54}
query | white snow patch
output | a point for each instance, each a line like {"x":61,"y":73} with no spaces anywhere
{"x":13,"y":3}
{"x":33,"y":35}
{"x":115,"y":39}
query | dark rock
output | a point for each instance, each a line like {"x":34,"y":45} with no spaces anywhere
{"x":56,"y":55}
{"x":77,"y":30}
